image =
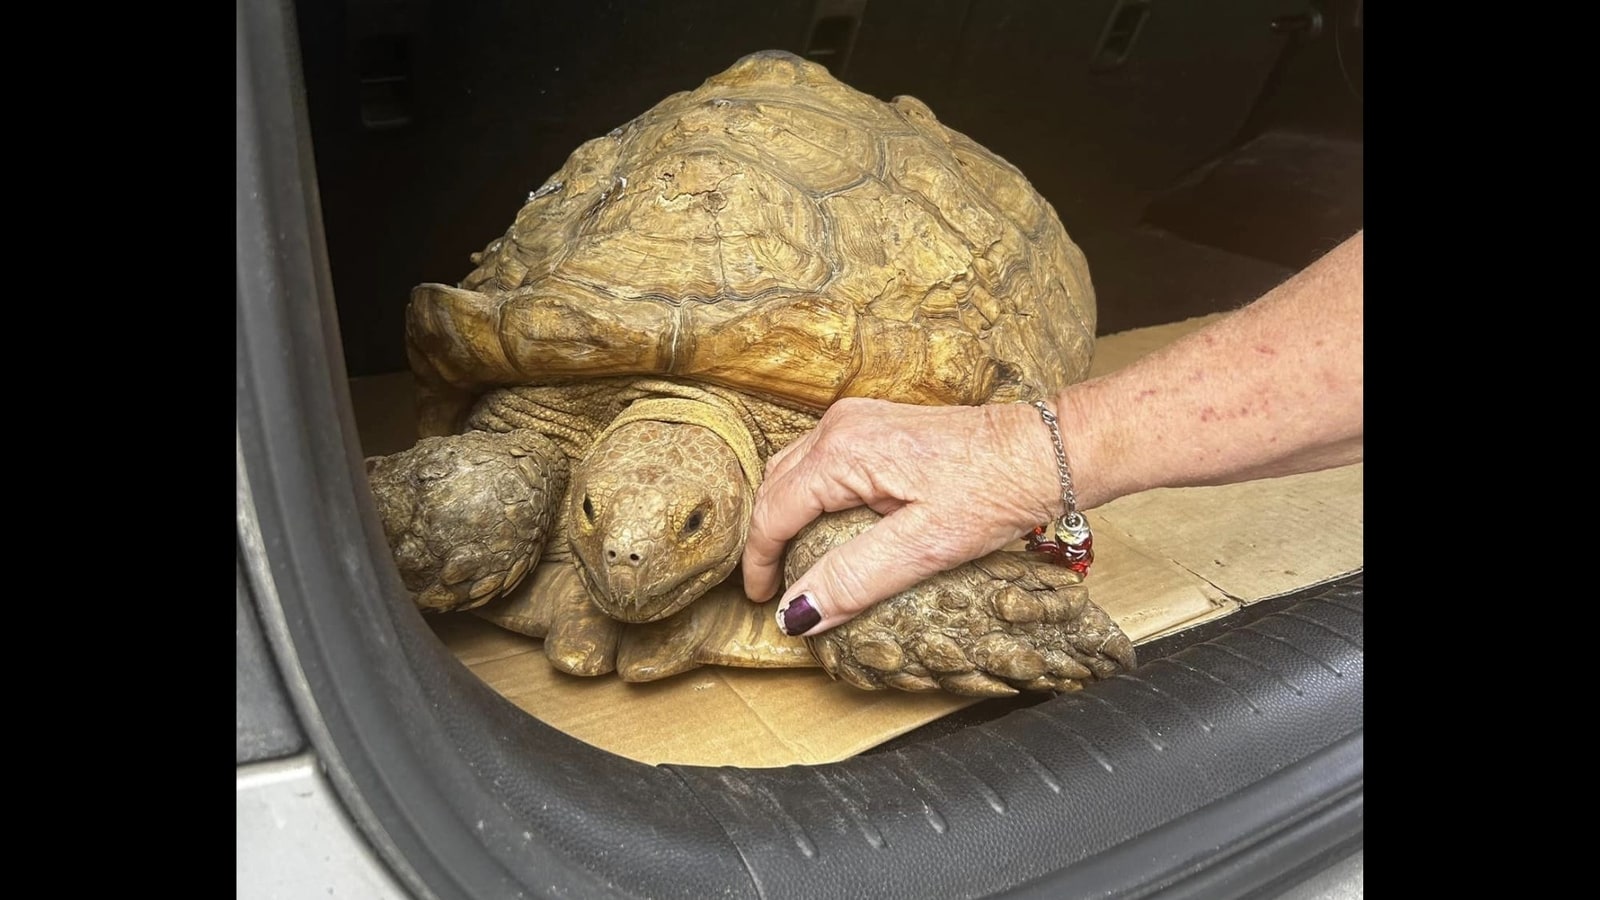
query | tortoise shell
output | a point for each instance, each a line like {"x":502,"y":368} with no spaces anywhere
{"x":777,"y":232}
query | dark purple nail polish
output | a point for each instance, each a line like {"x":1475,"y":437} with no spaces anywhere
{"x":798,"y":616}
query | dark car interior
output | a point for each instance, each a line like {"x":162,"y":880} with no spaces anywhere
{"x":1199,"y":153}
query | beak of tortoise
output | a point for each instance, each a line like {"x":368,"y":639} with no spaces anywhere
{"x":624,"y":584}
{"x":619,"y":593}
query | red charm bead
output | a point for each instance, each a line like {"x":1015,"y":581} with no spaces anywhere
{"x":1075,"y":556}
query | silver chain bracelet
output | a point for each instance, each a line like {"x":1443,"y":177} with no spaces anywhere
{"x":1066,"y":540}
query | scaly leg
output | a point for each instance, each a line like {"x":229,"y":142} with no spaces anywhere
{"x":993,"y":627}
{"x":467,"y":515}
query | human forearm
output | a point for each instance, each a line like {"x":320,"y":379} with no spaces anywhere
{"x":1273,"y":389}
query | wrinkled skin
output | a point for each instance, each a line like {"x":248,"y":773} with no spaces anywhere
{"x":989,"y":628}
{"x":986,"y":478}
{"x":476,"y":508}
{"x":658,"y":515}
{"x":467,"y":515}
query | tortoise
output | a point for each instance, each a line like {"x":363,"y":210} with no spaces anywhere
{"x":683,"y":298}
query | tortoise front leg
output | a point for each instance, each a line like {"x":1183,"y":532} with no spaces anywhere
{"x":1005,"y":623}
{"x":468,"y":515}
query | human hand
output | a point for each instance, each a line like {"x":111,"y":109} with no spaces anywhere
{"x":953,"y":483}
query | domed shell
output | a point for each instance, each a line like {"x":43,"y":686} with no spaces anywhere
{"x":777,"y":232}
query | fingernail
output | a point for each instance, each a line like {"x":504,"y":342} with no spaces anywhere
{"x":798,"y":615}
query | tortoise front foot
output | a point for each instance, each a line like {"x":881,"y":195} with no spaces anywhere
{"x":467,"y":515}
{"x":990,"y":628}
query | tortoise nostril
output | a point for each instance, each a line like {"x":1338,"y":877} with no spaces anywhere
{"x":624,"y":555}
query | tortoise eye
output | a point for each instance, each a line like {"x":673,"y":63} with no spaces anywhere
{"x":588,"y":508}
{"x":693,"y":523}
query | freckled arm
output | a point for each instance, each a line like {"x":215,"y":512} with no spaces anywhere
{"x":1272,"y":389}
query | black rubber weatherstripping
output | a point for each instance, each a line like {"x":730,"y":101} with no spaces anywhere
{"x":1218,"y":770}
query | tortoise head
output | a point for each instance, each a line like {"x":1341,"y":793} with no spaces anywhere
{"x":660,"y":507}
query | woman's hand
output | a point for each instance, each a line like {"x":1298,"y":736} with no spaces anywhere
{"x":1273,"y":389}
{"x":953,"y":483}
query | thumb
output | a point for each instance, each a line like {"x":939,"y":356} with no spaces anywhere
{"x":885,"y":558}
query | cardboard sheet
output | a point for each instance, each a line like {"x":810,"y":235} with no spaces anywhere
{"x":1165,"y":560}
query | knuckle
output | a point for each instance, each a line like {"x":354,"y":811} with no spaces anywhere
{"x":846,"y":410}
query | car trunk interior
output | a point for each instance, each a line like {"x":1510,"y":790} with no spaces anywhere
{"x":1199,"y":153}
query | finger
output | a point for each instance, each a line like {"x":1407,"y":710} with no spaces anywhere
{"x":882,"y":561}
{"x":759,"y":570}
{"x":785,"y":459}
{"x":783,"y":506}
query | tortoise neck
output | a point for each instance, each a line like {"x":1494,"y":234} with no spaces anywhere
{"x":708,"y":411}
